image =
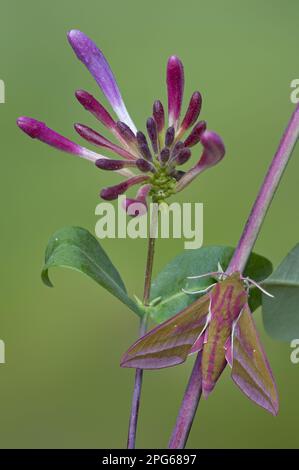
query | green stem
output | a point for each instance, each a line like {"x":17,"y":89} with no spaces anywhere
{"x":142,"y":330}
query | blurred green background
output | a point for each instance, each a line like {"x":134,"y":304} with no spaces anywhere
{"x":62,"y":385}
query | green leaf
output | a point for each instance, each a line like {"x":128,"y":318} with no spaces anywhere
{"x":281,"y":314}
{"x":76,"y":248}
{"x":166,"y":294}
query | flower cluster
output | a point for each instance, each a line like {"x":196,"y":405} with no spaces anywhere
{"x":156,"y":157}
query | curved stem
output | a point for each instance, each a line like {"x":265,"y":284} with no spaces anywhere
{"x":237,"y":263}
{"x":142,"y":330}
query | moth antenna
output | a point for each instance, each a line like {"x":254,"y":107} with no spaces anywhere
{"x":220,"y":268}
{"x":215,"y":273}
{"x":203,"y":291}
{"x":256,"y":284}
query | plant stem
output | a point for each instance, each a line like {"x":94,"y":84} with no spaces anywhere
{"x":142,"y":331}
{"x":148,"y":270}
{"x":265,"y":195}
{"x":136,"y":394}
{"x":238,"y":262}
{"x":188,"y":408}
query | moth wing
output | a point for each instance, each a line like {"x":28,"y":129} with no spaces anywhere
{"x":169,"y":343}
{"x":250,"y":368}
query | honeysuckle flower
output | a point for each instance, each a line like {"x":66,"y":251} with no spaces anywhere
{"x":220,"y":325}
{"x":147,"y":161}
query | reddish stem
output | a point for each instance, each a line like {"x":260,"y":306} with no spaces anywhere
{"x":250,"y":233}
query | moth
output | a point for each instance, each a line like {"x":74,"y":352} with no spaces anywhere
{"x":220,"y":325}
